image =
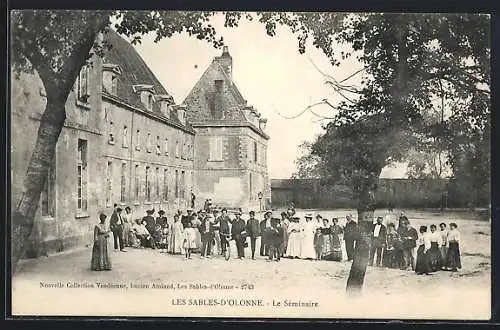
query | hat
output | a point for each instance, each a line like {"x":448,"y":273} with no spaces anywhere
{"x":119,"y":209}
{"x":189,"y":209}
{"x":319,"y":216}
{"x":237,"y":212}
{"x":150,"y":211}
{"x":309,"y":215}
{"x":268,"y":212}
{"x":251,"y":212}
{"x":161,"y":212}
{"x":295,"y":218}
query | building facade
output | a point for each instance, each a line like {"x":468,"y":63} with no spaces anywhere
{"x":125,"y":141}
{"x":231,"y":143}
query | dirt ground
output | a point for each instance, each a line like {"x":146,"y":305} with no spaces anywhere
{"x":387,"y":293}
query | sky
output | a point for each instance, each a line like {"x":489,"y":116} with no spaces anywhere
{"x":271,"y":75}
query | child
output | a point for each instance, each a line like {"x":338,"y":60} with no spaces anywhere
{"x":318,"y":243}
{"x":275,"y":239}
{"x":164,"y":240}
{"x":453,"y":262}
{"x":189,"y":239}
{"x":392,"y":253}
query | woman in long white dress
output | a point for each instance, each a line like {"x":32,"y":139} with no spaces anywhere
{"x":307,"y":247}
{"x":294,"y":238}
{"x":176,"y":236}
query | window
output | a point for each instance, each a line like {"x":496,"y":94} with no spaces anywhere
{"x":83,"y":92}
{"x":218,"y":85}
{"x":125,"y":137}
{"x":114,"y":85}
{"x":215,"y":152}
{"x":183,"y":184}
{"x":138,"y":140}
{"x":148,"y":143}
{"x":176,"y":183}
{"x":47,"y":197}
{"x":166,"y":147}
{"x":158,"y":147}
{"x":157,"y":178}
{"x":137,"y":183}
{"x":176,"y":149}
{"x":109,"y":185}
{"x":255,"y":150}
{"x":123,"y":183}
{"x":111,"y":139}
{"x":82,"y":174}
{"x":150,"y":102}
{"x":148,"y":184}
{"x":165,"y":184}
{"x":184,"y":151}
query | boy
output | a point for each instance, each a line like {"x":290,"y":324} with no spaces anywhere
{"x":275,"y":239}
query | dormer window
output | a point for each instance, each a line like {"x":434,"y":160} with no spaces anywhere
{"x":110,"y":74}
{"x":218,"y":86}
{"x":82,"y":85}
{"x":146,"y":93}
{"x":165,"y":101}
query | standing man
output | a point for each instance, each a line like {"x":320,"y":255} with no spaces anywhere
{"x":351,"y":232}
{"x":264,"y":226}
{"x":253,"y":231}
{"x":217,"y":238}
{"x":239,"y":234}
{"x":116,"y":226}
{"x":223,"y":223}
{"x":409,"y":237}
{"x":151,"y":226}
{"x":193,"y":199}
{"x":207,"y":235}
{"x":378,"y":242}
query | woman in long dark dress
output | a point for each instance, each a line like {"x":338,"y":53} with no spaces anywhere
{"x":434,"y":251}
{"x":100,"y":257}
{"x":453,"y":262}
{"x":424,"y":244}
{"x":392,"y":254}
{"x":336,"y":231}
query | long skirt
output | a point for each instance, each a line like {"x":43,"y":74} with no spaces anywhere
{"x":422,"y":265}
{"x":197,"y":241}
{"x":453,"y":256}
{"x":294,"y":244}
{"x":332,"y":248}
{"x":392,"y":258}
{"x":444,"y":252}
{"x":307,"y":247}
{"x":435,"y":257}
{"x":100,"y":257}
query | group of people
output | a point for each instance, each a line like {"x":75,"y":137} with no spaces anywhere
{"x":209,"y":231}
{"x":395,"y":247}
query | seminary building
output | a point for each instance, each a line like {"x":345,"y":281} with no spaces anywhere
{"x":126,"y":141}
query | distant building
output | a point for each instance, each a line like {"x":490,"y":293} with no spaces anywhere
{"x":231,"y":143}
{"x":125,"y":141}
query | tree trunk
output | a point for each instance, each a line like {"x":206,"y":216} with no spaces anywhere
{"x":50,"y":128}
{"x":366,"y":209}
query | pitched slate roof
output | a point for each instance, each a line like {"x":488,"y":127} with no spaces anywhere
{"x":134,"y":72}
{"x":199,"y":99}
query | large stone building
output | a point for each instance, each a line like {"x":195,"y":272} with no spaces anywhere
{"x":231,"y":162}
{"x":125,"y":141}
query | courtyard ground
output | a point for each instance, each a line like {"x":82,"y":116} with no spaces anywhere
{"x":387,"y":293}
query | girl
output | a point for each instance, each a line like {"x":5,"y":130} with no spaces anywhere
{"x":434,"y":251}
{"x":422,"y":265}
{"x":453,"y":262}
{"x":189,"y":239}
{"x":392,"y":255}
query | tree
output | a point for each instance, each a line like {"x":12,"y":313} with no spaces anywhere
{"x":57,"y":44}
{"x":308,"y":166}
{"x":409,"y":60}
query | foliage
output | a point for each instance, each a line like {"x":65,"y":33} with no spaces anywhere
{"x":309,"y":165}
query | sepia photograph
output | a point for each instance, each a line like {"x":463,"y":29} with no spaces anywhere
{"x":292,"y":165}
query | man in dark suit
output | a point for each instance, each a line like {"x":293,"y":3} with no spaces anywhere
{"x":151,"y":226}
{"x":116,"y":226}
{"x":238,"y":232}
{"x":207,"y":235}
{"x":275,"y":239}
{"x":253,"y":231}
{"x":379,"y":232}
{"x":264,"y":226}
{"x":222,"y":223}
{"x":351,"y":232}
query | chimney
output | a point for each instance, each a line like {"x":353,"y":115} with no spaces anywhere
{"x":262,"y":124}
{"x":226,"y":61}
